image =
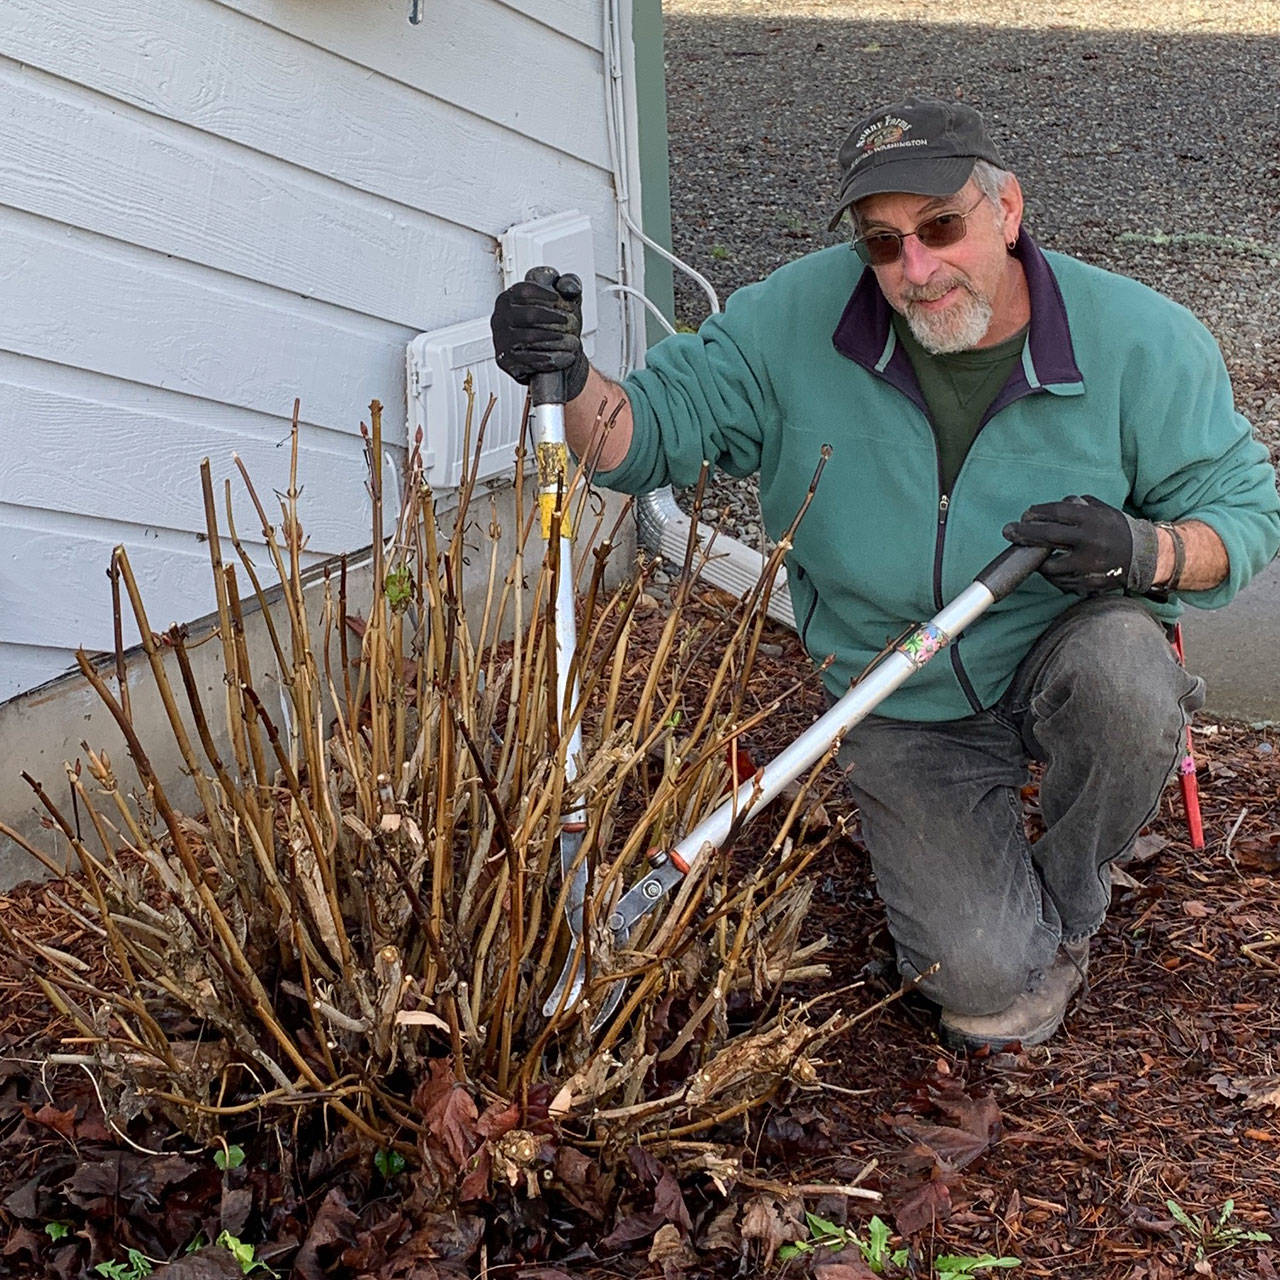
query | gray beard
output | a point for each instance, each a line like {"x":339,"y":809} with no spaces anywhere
{"x":960,"y":329}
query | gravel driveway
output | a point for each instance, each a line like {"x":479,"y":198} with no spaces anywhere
{"x":1146,"y":137}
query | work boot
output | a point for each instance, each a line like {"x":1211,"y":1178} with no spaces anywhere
{"x":1033,"y":1017}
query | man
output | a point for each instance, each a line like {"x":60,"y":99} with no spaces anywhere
{"x":970,"y":386}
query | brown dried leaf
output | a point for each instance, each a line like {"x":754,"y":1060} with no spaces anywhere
{"x":235,"y":1208}
{"x":721,"y":1234}
{"x":452,"y":1118}
{"x":24,"y":1241}
{"x":843,"y":1269}
{"x":647,"y":1168}
{"x":1259,"y":1091}
{"x":918,"y":1159}
{"x":96,"y":1183}
{"x":953,"y":1147}
{"x":374,"y":1243}
{"x":1121,"y":879}
{"x":475,"y":1185}
{"x":498,"y":1118}
{"x":453,"y":1237}
{"x":1012,"y":1215}
{"x":922,"y":1206}
{"x":670,"y":1252}
{"x":976,"y":1114}
{"x":333,"y":1229}
{"x":1262,"y":854}
{"x":403,"y":1267}
{"x":1145,"y":847}
{"x":63,"y":1122}
{"x":772,"y":1224}
{"x":211,"y":1263}
{"x":639,"y":1226}
{"x":1196,"y":909}
{"x":1138,"y":1217}
{"x":439,"y":1080}
{"x":668,"y":1200}
{"x":579,"y":1180}
{"x":1227,"y":1087}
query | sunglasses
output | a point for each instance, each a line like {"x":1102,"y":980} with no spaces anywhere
{"x":880,"y":248}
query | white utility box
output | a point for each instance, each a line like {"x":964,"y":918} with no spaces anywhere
{"x":563,"y":241}
{"x":437,"y":366}
{"x":438,"y":362}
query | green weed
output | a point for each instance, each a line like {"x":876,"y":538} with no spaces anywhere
{"x":134,"y":1267}
{"x":951,"y":1264}
{"x":828,"y":1235}
{"x":244,"y":1253}
{"x":231,"y":1157}
{"x":1212,"y":1235}
{"x":876,"y":1252}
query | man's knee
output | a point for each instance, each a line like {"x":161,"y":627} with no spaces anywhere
{"x":1115,"y":679}
{"x":977,"y":979}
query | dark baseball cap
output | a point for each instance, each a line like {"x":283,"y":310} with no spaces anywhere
{"x":921,"y":145}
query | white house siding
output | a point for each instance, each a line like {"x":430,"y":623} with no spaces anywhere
{"x":207,"y":209}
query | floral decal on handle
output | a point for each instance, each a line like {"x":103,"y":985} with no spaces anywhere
{"x":923,"y":643}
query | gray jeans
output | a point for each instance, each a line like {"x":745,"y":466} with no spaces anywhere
{"x":1102,"y":701}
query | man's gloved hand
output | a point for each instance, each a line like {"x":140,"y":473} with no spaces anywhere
{"x":538,"y":329}
{"x":1097,"y":547}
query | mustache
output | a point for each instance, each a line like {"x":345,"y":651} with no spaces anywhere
{"x":932,"y":292}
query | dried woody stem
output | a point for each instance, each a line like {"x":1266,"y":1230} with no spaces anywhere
{"x":372,"y":885}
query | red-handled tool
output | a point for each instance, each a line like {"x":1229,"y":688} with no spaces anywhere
{"x":1187,"y":767}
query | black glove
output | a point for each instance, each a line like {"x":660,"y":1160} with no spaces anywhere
{"x":537,"y":328}
{"x":1097,"y":548}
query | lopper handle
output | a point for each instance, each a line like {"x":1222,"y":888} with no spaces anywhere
{"x":1011,"y":568}
{"x":548,"y":388}
{"x":996,"y":581}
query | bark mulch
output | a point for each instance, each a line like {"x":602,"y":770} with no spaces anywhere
{"x":1162,"y":1088}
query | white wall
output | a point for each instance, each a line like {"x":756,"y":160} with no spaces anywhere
{"x":208,"y":208}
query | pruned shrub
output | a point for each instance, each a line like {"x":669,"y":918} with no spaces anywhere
{"x":364,"y":920}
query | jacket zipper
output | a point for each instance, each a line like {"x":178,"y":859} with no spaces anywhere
{"x":944,"y":505}
{"x":808,"y":617}
{"x":953,"y":651}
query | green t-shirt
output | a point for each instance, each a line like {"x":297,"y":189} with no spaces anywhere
{"x":958,"y":389}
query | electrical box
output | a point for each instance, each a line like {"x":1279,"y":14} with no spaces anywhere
{"x":437,"y":365}
{"x":563,"y":241}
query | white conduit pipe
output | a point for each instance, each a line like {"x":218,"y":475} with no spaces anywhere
{"x":661,"y":526}
{"x":732,"y":565}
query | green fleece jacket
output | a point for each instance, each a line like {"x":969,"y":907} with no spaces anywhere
{"x":1121,"y":393}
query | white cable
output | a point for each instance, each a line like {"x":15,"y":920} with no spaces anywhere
{"x":648,"y":302}
{"x":695,"y":276}
{"x":388,"y":460}
{"x":663,"y":526}
{"x":615,"y":115}
{"x":612,"y":64}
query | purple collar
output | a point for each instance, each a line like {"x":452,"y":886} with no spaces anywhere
{"x":865,"y":335}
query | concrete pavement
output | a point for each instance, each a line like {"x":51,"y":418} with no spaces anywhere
{"x":1237,"y":651}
